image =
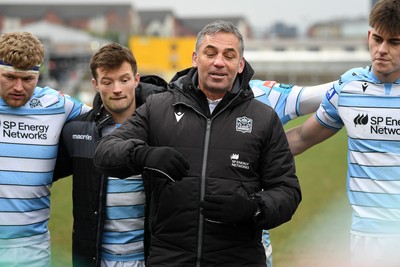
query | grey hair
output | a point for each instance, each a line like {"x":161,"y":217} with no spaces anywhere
{"x":216,"y":27}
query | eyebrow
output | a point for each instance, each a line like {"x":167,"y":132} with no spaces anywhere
{"x":126,"y":74}
{"x":215,"y":48}
{"x":10,"y":74}
{"x":380,"y":36}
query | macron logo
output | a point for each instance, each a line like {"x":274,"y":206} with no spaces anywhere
{"x":179,"y":115}
{"x":82,"y":137}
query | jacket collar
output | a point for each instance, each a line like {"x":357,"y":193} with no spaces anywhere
{"x":186,"y":82}
{"x":187,"y":79}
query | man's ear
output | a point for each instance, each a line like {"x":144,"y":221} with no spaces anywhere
{"x":95,"y":86}
{"x":194,"y":59}
{"x":137,"y":79}
{"x":241,"y":65}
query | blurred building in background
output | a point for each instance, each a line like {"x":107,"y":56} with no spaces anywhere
{"x":163,"y":43}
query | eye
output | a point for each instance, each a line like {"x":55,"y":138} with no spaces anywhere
{"x":28,"y":79}
{"x":125,"y":80}
{"x":106,"y":83}
{"x":377,"y":39}
{"x":230,"y":56}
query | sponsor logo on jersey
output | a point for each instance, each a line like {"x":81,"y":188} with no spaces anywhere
{"x":361,"y":119}
{"x":244,"y":125}
{"x":380,"y":125}
{"x":235,"y":162}
{"x":386,"y":125}
{"x":23,"y":130}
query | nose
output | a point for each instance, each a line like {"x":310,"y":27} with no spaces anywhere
{"x":219,"y":60}
{"x":383,"y":48}
{"x":18,"y":84}
{"x":117,"y":88}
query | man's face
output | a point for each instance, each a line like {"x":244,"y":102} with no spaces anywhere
{"x":117,"y":90}
{"x":385,"y":55}
{"x":16,"y":87}
{"x":218,"y":62}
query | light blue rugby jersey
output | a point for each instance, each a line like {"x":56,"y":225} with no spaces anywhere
{"x":124,"y":225}
{"x":370,"y":111}
{"x":28,"y":150}
{"x":283,"y":98}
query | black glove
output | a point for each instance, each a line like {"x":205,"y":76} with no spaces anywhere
{"x":228,"y":209}
{"x":164,"y":160}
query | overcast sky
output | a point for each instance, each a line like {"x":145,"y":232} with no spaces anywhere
{"x":263,"y":13}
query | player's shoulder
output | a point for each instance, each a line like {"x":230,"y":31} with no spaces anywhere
{"x":356,"y":74}
{"x":45,"y":97}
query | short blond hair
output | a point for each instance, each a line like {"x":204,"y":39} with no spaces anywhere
{"x":22,"y":50}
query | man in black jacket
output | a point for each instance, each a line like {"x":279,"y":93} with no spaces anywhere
{"x":108,"y":212}
{"x":216,"y":164}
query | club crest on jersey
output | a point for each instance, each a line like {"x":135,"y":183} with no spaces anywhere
{"x":35,"y":102}
{"x":244,"y":125}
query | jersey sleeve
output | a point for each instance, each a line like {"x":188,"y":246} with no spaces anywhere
{"x":283,"y":98}
{"x":327,"y":114}
{"x":74,"y":108}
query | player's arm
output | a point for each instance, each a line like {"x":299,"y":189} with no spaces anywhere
{"x":310,"y":133}
{"x":311,"y":97}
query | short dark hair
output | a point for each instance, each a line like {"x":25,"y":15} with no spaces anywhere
{"x":110,"y":57}
{"x":385,"y":17}
{"x":216,"y":27}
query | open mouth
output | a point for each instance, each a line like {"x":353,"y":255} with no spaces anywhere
{"x":218,"y":75}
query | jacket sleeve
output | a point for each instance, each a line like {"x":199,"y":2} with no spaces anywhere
{"x":63,"y":166}
{"x":281,"y":192}
{"x":113,"y":152}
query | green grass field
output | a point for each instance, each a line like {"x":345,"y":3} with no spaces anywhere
{"x":316,"y":236}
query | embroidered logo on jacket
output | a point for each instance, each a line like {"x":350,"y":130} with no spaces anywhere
{"x":244,"y":125}
{"x":179,"y":115}
{"x":235,"y":162}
